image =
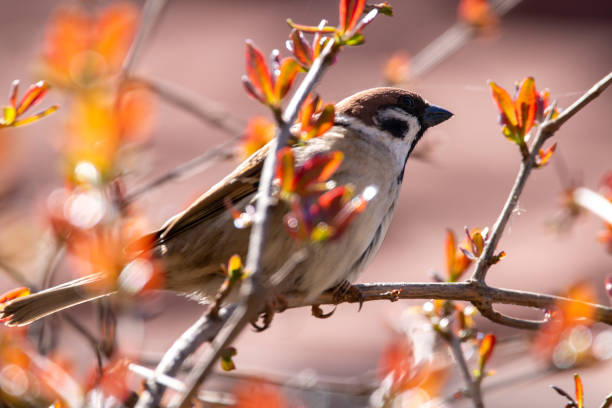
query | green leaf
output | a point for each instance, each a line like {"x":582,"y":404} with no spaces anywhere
{"x":356,"y":39}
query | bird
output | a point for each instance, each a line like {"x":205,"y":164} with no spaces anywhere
{"x":375,"y":129}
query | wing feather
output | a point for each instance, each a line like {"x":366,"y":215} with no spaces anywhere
{"x":240,"y":183}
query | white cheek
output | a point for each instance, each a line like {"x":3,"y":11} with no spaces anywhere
{"x":398,"y":147}
{"x":401,"y":146}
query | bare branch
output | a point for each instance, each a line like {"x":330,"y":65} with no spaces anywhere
{"x":545,"y":131}
{"x":210,"y":112}
{"x":473,"y":385}
{"x":191,"y":167}
{"x":150,"y":14}
{"x":254,"y":290}
{"x":452,"y":40}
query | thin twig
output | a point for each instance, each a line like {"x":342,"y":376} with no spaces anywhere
{"x":473,"y":386}
{"x":451,"y":41}
{"x":544,"y":132}
{"x":150,"y":15}
{"x":211,"y":397}
{"x":204,"y":329}
{"x":210,"y":112}
{"x":189,"y":168}
{"x":254,"y":290}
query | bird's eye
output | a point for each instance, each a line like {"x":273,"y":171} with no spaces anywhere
{"x":407,"y":101}
{"x":396,"y":127}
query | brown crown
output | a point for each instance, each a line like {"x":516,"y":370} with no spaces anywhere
{"x":364,"y":105}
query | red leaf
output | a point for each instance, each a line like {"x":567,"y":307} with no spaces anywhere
{"x":300,"y":48}
{"x":357,"y":10}
{"x":343,"y":219}
{"x":579,"y":391}
{"x":258,"y":73}
{"x":325,"y":120}
{"x":504,"y":103}
{"x":526,"y":104}
{"x":486,"y":350}
{"x":318,"y":169}
{"x":33,"y":95}
{"x":289,"y":69}
{"x":544,"y":156}
{"x":309,"y":107}
{"x":343,"y":14}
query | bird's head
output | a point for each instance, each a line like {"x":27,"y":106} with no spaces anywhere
{"x":392,"y":116}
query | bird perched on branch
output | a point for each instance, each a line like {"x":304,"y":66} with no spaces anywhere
{"x":376,"y":130}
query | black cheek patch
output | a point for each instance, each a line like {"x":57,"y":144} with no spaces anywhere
{"x":396,"y":127}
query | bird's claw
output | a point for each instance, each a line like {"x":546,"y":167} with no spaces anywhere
{"x":276,"y":304}
{"x":347,"y":291}
{"x":319,"y":314}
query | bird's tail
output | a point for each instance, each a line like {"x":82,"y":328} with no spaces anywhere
{"x":25,"y":310}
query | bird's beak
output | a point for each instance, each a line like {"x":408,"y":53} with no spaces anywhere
{"x":435,"y":115}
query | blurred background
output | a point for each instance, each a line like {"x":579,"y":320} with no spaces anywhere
{"x":464,"y":180}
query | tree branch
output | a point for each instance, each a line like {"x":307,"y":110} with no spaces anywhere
{"x":254,"y":292}
{"x":544,"y":131}
{"x":473,"y":385}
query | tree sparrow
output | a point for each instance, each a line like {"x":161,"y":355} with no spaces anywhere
{"x":376,"y":129}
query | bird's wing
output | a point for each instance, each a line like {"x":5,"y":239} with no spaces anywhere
{"x":240,"y":183}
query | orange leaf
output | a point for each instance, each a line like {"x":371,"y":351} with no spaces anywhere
{"x":579,"y":391}
{"x":450,"y":249}
{"x":258,"y":394}
{"x":289,"y":68}
{"x":544,"y":156}
{"x":318,"y":169}
{"x":486,"y":349}
{"x":356,"y":11}
{"x":343,"y":14}
{"x":309,"y":107}
{"x":300,"y":48}
{"x":33,"y":95}
{"x":504,"y":103}
{"x":258,"y":132}
{"x":526,"y":104}
{"x":258,"y":72}
{"x":325,"y":120}
{"x":285,"y":171}
{"x":14,"y":294}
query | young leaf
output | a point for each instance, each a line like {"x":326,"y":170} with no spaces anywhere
{"x":300,"y":48}
{"x":289,"y":68}
{"x":450,"y":249}
{"x":317,"y":169}
{"x":325,"y":120}
{"x":526,"y":105}
{"x":258,"y":73}
{"x":33,"y":95}
{"x":285,"y":171}
{"x":485,"y":351}
{"x":504,"y":104}
{"x":579,"y":391}
{"x":355,"y":10}
{"x":544,"y":156}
